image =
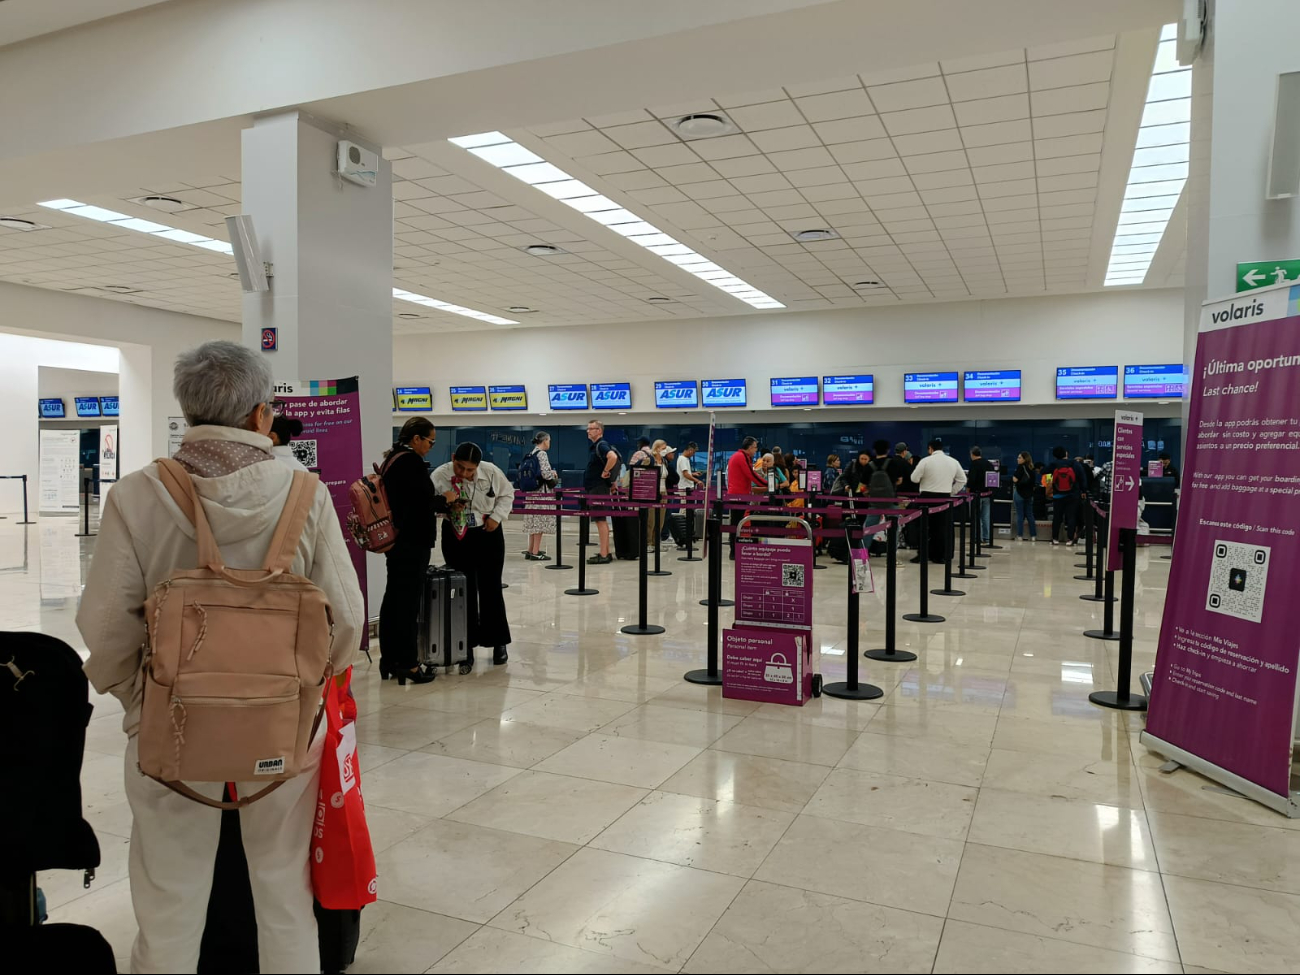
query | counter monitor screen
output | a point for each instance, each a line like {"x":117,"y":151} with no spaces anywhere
{"x":413,"y":399}
{"x":569,"y":396}
{"x":677,"y":395}
{"x":469,"y":399}
{"x":1155,"y":382}
{"x":87,"y":406}
{"x":53,"y":409}
{"x":848,"y":390}
{"x":722,"y":393}
{"x":997,"y":385}
{"x":108,"y":405}
{"x":1087,"y":382}
{"x":611,"y":396}
{"x":508,"y":398}
{"x":795,"y":391}
{"x":930,"y":387}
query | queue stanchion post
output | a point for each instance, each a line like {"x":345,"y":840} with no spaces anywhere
{"x":689,"y":513}
{"x":1099,"y":593}
{"x":1108,"y":631}
{"x":973,"y":551}
{"x":947,"y":589}
{"x":658,"y":570}
{"x":559,"y":532}
{"x":85,"y":522}
{"x":716,"y":597}
{"x":990,"y":543}
{"x":1121,"y":699}
{"x":850,"y":689}
{"x":890,"y":652}
{"x":1089,"y":519}
{"x":643,"y":626}
{"x":584,"y":533}
{"x":962,"y":566}
{"x":923,"y":614}
{"x":26,"y":517}
{"x":812,"y":503}
{"x":711,"y":674}
{"x":976,"y":534}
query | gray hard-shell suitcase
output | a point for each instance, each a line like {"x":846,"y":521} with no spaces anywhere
{"x":444,"y":627}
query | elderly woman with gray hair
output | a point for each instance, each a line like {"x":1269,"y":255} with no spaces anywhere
{"x":225,"y":391}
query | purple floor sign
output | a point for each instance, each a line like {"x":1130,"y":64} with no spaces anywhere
{"x":1225,"y":682}
{"x":760,"y":663}
{"x":774,"y":581}
{"x":1125,"y":481}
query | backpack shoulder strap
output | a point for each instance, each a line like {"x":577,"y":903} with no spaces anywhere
{"x":180,"y":486}
{"x":293,"y":519}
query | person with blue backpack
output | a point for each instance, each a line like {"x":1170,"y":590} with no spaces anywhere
{"x":537,"y":479}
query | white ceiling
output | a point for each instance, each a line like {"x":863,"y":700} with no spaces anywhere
{"x":972,"y":177}
{"x":24,"y":19}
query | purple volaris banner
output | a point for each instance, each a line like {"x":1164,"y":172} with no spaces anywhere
{"x":1125,"y":481}
{"x":330,"y":445}
{"x":1224,"y":691}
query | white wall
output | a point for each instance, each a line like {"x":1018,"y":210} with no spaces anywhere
{"x":146,"y":341}
{"x":22,"y":359}
{"x":1035,"y":335}
{"x":70,"y":383}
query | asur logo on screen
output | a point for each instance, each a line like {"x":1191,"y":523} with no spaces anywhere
{"x":613,"y":396}
{"x":725,"y":392}
{"x":686,"y":393}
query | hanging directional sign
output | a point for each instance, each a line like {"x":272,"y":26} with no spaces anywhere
{"x":1260,"y":274}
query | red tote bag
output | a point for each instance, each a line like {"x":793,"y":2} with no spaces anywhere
{"x":342,"y":859}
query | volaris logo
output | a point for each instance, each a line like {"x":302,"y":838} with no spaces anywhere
{"x":1236,"y":312}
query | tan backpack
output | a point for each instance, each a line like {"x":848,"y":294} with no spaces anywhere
{"x":236,"y":661}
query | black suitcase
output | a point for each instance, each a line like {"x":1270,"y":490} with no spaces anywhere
{"x":677,"y":527}
{"x":444,"y":619}
{"x":628,"y":538}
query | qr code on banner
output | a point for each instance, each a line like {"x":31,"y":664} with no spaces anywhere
{"x":792,"y":575}
{"x":1238,"y":577}
{"x":305,"y":451}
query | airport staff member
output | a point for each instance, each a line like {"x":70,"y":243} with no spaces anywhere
{"x":938,"y":476}
{"x":473,"y":543}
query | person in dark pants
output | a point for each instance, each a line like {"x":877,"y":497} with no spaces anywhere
{"x":938,"y":476}
{"x":414,"y":505}
{"x":1068,"y":481}
{"x":473,"y":543}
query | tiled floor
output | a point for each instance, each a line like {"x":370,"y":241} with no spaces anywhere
{"x":585,"y":810}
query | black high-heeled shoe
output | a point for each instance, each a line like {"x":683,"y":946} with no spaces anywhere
{"x":500,"y":655}
{"x":416,"y":676}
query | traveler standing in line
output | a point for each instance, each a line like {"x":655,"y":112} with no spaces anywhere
{"x":1067,"y":479}
{"x":904,"y":464}
{"x":598,"y":479}
{"x":1024,"y":480}
{"x":687,"y":481}
{"x":225,"y":391}
{"x":659,"y":455}
{"x":415,"y":506}
{"x":537,"y":479}
{"x":473,"y":542}
{"x":975,"y":484}
{"x":742,"y":481}
{"x":283,"y":430}
{"x":938,"y":476}
{"x":832,"y":470}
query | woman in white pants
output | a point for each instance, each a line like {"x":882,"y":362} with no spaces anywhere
{"x":225,"y":391}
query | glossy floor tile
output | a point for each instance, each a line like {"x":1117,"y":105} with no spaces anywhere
{"x":585,"y":809}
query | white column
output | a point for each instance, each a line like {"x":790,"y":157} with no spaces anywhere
{"x":331,"y":244}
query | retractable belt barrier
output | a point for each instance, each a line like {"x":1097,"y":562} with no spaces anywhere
{"x":20,"y":477}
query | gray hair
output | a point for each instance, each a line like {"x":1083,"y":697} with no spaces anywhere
{"x":220,"y":383}
{"x":598,"y":424}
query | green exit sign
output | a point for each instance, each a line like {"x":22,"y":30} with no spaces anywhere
{"x":1260,"y":274}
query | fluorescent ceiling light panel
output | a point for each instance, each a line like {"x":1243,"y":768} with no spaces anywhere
{"x":419,"y":299}
{"x":523,"y":164}
{"x":126,"y":222}
{"x":1159,"y":169}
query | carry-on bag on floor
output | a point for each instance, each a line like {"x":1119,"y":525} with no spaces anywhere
{"x":677,"y":527}
{"x":628,"y":538}
{"x":444,"y":620}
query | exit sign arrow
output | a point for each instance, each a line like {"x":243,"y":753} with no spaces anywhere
{"x":1259,"y":274}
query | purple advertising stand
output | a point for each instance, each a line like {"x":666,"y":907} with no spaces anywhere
{"x":773,"y":619}
{"x":1223,"y":699}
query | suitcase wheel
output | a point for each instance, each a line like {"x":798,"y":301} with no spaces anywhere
{"x":817,"y":685}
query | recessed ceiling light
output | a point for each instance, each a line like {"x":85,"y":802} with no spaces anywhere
{"x":542,"y":250}
{"x":521,"y":310}
{"x":408,"y":314}
{"x":659,"y":300}
{"x":167,"y":204}
{"x":821,"y":233}
{"x":418,"y":299}
{"x":703,"y":125}
{"x":15,"y":223}
{"x":866,"y":284}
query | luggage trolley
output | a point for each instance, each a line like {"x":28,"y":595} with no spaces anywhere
{"x":769,"y":653}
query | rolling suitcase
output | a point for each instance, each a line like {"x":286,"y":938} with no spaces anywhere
{"x":628,"y":538}
{"x":677,"y":527}
{"x":444,"y":620}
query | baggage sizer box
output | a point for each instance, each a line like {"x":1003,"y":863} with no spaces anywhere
{"x":767,"y":664}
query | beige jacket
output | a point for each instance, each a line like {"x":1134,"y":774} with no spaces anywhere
{"x":144,"y":536}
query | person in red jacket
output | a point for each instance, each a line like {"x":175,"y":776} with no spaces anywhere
{"x":741,"y":481}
